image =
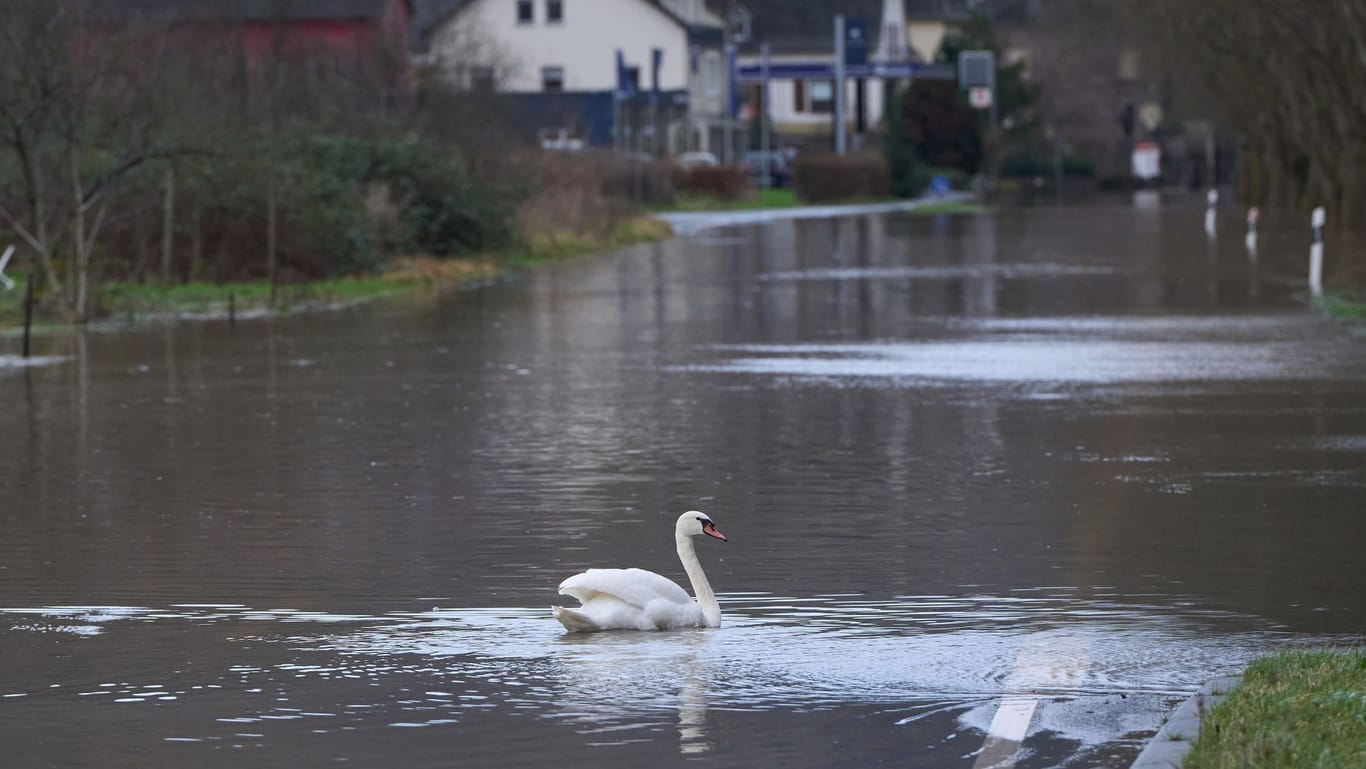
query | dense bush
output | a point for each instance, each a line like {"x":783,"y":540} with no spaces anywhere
{"x":721,"y":182}
{"x":822,"y":178}
{"x":943,"y":128}
{"x":441,"y":210}
{"x":908,"y":173}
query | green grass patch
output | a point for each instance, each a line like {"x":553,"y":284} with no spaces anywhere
{"x":949,"y":207}
{"x":1340,"y":306}
{"x":1293,"y":709}
{"x":758,"y":200}
{"x":404,"y":274}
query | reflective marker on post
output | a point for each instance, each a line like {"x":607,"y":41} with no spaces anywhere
{"x":1213,"y":200}
{"x":1252,"y":214}
{"x":1316,"y":253}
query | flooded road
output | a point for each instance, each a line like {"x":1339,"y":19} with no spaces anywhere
{"x":1001,"y":489}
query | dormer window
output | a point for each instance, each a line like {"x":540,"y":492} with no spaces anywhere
{"x":554,"y":11}
{"x":526,"y":12}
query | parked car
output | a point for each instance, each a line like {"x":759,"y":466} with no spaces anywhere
{"x":779,"y":167}
{"x":694,"y":159}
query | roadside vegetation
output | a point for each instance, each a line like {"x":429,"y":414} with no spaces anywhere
{"x":157,"y":172}
{"x":1295,"y":709}
{"x":1339,"y":306}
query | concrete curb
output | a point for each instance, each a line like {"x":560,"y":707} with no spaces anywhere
{"x":694,"y":222}
{"x":1168,"y":748}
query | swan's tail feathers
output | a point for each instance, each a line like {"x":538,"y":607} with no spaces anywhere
{"x":573,"y":621}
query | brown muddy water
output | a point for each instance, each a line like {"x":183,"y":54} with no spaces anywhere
{"x":1000,"y":489}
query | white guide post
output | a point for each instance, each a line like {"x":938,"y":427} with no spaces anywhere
{"x":1316,"y":253}
{"x":1212,"y":199}
{"x":5,"y":280}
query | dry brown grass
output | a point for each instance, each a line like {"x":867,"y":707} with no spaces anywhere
{"x":430,"y":270}
{"x":580,"y":201}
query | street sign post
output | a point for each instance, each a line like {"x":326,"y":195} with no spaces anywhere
{"x":840,"y":64}
{"x":977,"y":69}
{"x":979,"y":96}
{"x":888,"y":70}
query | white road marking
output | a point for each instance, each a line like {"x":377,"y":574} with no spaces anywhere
{"x":1049,"y":661}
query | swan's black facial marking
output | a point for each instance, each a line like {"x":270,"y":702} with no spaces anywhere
{"x":710,"y":530}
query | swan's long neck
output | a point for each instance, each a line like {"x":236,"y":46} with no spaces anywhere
{"x":706,"y":599}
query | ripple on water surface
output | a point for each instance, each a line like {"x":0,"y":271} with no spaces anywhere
{"x":1099,"y":670}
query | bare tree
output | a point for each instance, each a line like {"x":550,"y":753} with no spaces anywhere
{"x":78,"y":123}
{"x":1289,"y":79}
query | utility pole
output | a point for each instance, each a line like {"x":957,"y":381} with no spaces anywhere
{"x":839,"y":85}
{"x":764,"y":138}
{"x":728,"y":154}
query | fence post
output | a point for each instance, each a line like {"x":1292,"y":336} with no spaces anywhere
{"x":28,"y":311}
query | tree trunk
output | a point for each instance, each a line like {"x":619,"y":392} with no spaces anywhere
{"x":196,"y":245}
{"x":34,"y":178}
{"x":167,"y":226}
{"x":80,"y":273}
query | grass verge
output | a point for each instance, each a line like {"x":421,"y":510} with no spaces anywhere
{"x":1296,"y":708}
{"x":949,"y":207}
{"x":761,"y":199}
{"x":1339,"y":306}
{"x":549,"y":246}
{"x":403,"y":274}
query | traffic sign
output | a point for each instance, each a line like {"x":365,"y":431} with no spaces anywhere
{"x":855,"y":42}
{"x":979,"y":96}
{"x":754,"y":73}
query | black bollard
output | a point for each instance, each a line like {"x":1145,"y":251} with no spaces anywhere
{"x":232,"y":308}
{"x":28,"y":311}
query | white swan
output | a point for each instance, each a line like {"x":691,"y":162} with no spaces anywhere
{"x":635,"y":599}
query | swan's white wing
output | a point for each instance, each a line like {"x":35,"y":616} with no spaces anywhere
{"x":636,"y":587}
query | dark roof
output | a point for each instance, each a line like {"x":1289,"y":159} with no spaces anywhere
{"x":789,"y":26}
{"x":939,"y":10}
{"x":246,"y":10}
{"x":426,"y":15}
{"x":962,"y":10}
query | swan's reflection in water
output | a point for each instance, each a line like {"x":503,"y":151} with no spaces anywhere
{"x":610,"y":675}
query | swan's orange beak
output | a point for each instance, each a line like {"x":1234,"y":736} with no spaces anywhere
{"x":711,"y":531}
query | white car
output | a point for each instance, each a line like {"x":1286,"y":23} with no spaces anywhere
{"x":694,"y":159}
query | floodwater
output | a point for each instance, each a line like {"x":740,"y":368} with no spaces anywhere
{"x":1001,"y":489}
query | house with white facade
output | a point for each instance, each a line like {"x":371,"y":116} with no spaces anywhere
{"x":641,"y":74}
{"x":801,"y":109}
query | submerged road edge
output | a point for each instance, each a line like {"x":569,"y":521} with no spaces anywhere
{"x":687,"y":223}
{"x":1168,"y":748}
